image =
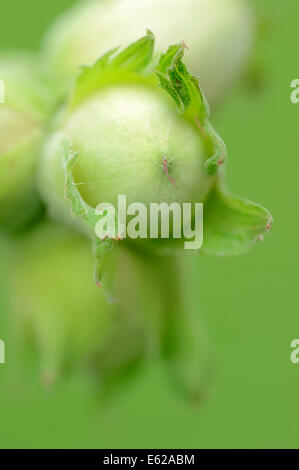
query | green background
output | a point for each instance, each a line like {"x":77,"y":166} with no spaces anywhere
{"x":249,"y":303}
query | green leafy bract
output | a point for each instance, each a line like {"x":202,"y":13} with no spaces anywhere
{"x":81,"y":209}
{"x":185,"y":89}
{"x":232,"y":225}
{"x":112,"y":67}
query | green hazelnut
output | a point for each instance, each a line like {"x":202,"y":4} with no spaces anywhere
{"x":123,"y":134}
{"x":146,"y":135}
